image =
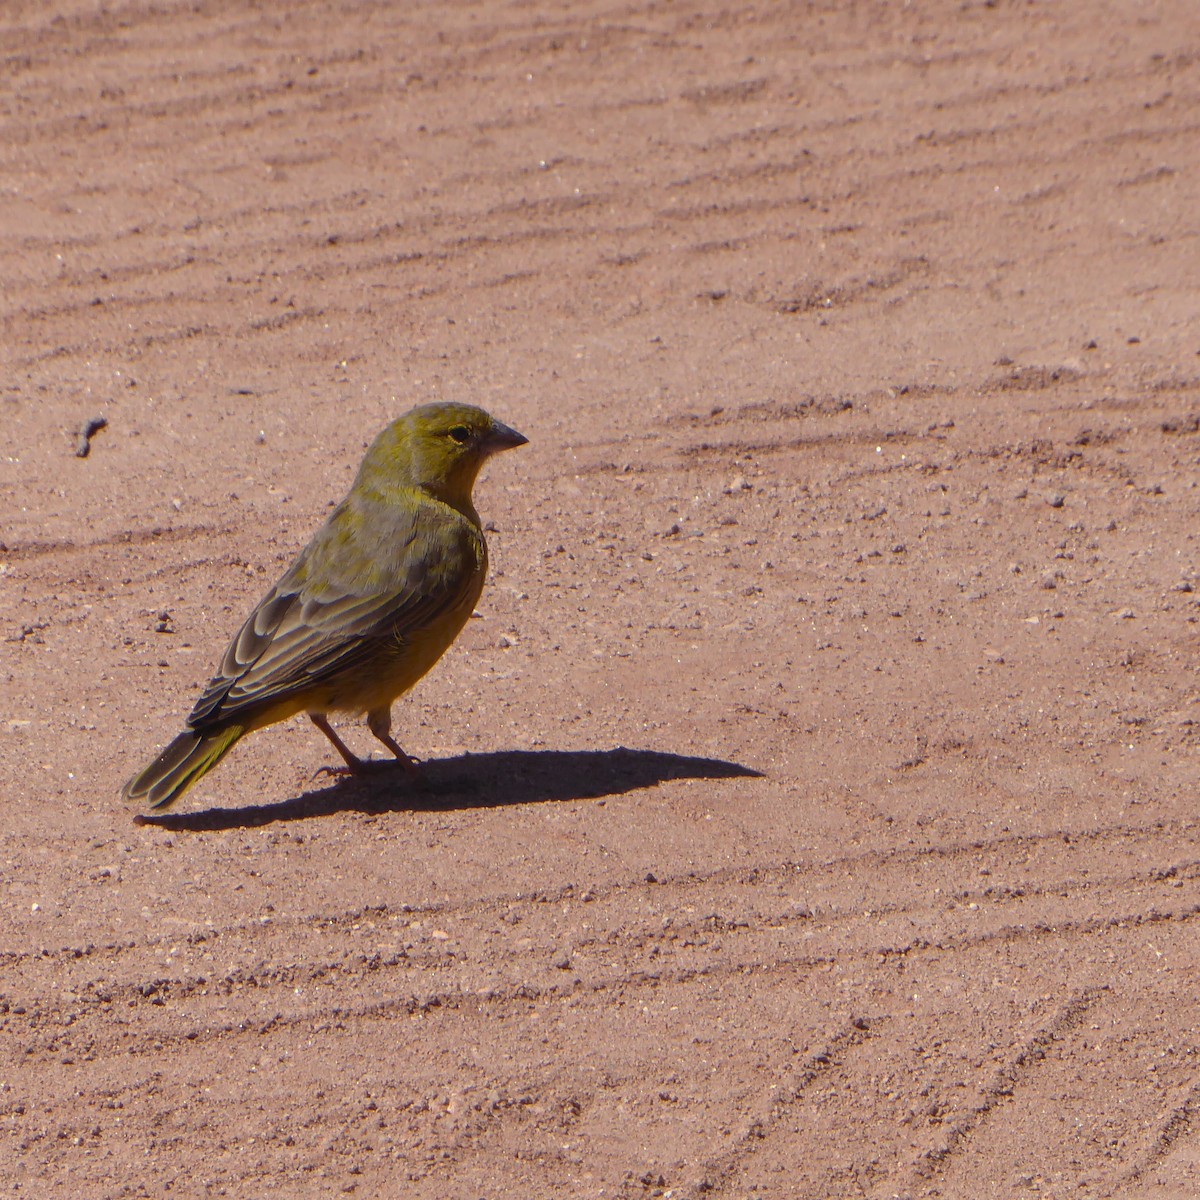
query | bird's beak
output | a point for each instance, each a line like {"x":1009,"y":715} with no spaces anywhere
{"x":503,"y":437}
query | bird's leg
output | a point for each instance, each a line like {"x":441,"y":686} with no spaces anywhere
{"x":379,"y":722}
{"x":364,"y":766}
{"x":354,"y":764}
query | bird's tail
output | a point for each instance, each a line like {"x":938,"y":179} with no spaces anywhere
{"x":185,"y":760}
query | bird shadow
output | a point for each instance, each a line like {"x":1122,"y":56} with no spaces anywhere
{"x":471,"y":781}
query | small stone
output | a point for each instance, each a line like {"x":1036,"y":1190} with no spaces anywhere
{"x":1056,"y":500}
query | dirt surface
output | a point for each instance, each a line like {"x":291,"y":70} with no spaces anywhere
{"x":811,"y":809}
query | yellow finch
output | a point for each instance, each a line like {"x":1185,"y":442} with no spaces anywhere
{"x":370,"y":604}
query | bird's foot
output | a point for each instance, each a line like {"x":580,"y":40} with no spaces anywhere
{"x":372,"y":766}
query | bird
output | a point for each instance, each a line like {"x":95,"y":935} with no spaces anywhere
{"x":365,"y":610}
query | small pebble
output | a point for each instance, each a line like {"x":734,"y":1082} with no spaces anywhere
{"x":83,"y":444}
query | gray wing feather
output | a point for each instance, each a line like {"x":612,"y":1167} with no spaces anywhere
{"x":294,"y":640}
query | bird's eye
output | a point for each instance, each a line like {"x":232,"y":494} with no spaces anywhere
{"x":461,"y":434}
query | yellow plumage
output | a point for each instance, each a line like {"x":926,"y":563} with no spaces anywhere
{"x":369,"y":605}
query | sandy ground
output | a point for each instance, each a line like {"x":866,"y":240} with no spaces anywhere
{"x":811,"y":809}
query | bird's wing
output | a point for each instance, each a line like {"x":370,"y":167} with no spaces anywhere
{"x":294,"y":641}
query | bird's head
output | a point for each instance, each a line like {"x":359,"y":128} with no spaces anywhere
{"x":437,"y":448}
